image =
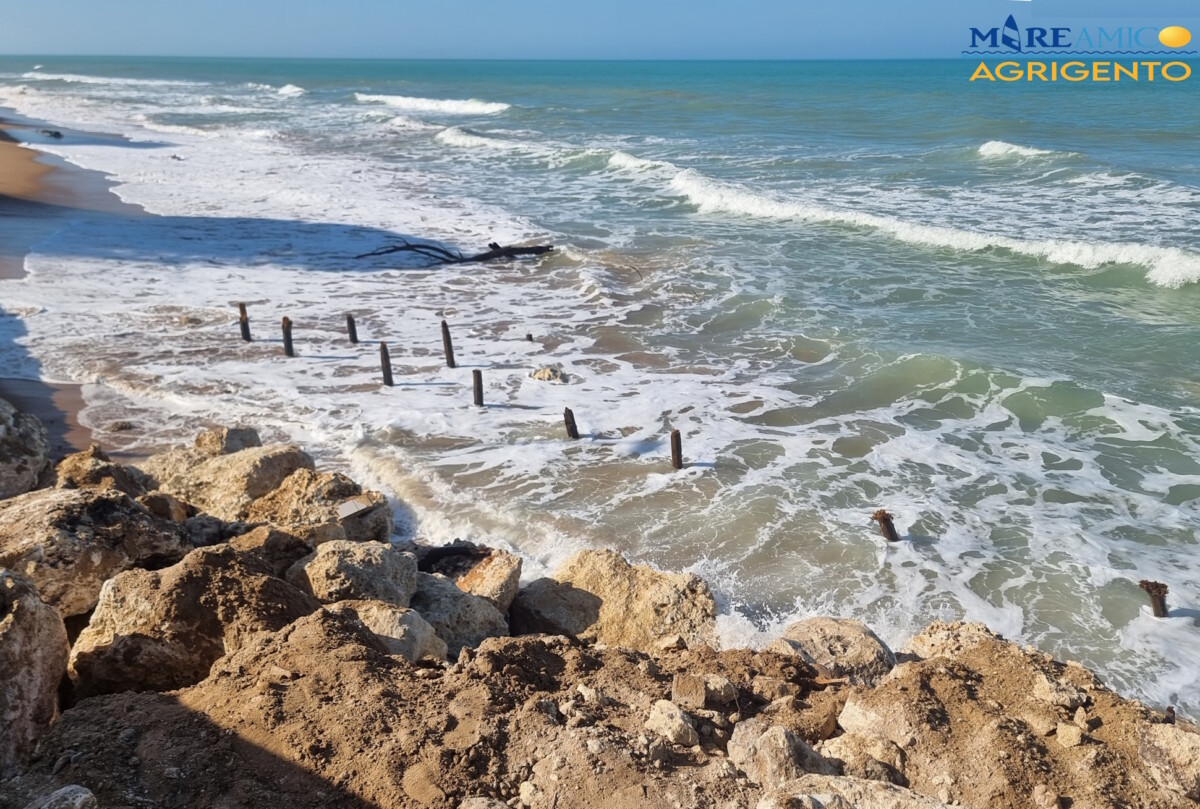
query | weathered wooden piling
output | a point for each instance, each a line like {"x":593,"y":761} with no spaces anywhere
{"x":351,"y":329}
{"x":676,"y":450}
{"x":385,"y":364}
{"x":529,"y":337}
{"x":288,"y":348}
{"x":886,"y":527}
{"x":244,"y":322}
{"x":447,"y":345}
{"x":569,"y":421}
{"x":477,"y":379}
{"x":1158,"y":596}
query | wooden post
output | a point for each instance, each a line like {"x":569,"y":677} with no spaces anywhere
{"x":529,"y":337}
{"x":569,"y":421}
{"x":351,"y":329}
{"x":886,"y":527}
{"x":447,"y":345}
{"x":385,"y":364}
{"x":676,"y":450}
{"x":1158,"y":596}
{"x":287,"y":338}
{"x":244,"y":322}
{"x":477,"y":378}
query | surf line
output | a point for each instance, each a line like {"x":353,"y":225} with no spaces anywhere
{"x":1081,"y":71}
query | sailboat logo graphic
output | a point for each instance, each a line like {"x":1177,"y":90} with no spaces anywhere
{"x":1011,"y":36}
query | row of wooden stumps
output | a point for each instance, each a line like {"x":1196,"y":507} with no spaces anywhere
{"x":385,"y":365}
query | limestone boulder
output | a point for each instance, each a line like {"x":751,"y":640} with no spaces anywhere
{"x":227,"y":440}
{"x":92,"y":469}
{"x":770,"y":755}
{"x":162,"y":630}
{"x":669,"y":721}
{"x":697,"y":691}
{"x":72,"y":797}
{"x":839,"y":647}
{"x":951,"y":639}
{"x":490,"y":573}
{"x":70,"y":541}
{"x":402,"y":631}
{"x":597,"y":596}
{"x":24,"y":451}
{"x":349,"y":571}
{"x":325,"y":506}
{"x":865,"y":756}
{"x":855,"y":793}
{"x":1173,"y":757}
{"x":277,"y":549}
{"x":225,"y":486}
{"x":461,"y":619}
{"x":165,"y":506}
{"x":33,"y":658}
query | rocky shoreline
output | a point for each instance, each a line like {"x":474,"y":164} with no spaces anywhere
{"x":225,"y":626}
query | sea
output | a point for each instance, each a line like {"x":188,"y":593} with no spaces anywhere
{"x":849,"y":285}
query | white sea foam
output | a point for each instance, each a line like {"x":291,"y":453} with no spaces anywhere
{"x":447,"y":106}
{"x":624,"y":160}
{"x":291,"y":90}
{"x":1170,"y":267}
{"x":74,"y":78}
{"x":998,"y":148}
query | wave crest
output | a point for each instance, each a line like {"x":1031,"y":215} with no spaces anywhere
{"x":1170,"y":267}
{"x":447,"y":106}
{"x":999,"y":148}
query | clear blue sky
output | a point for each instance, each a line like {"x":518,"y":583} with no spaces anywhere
{"x":543,"y":29}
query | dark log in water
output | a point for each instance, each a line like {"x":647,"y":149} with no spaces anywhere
{"x":886,"y":527}
{"x":569,"y":421}
{"x":385,"y":364}
{"x":351,"y":329}
{"x":288,"y":348}
{"x":676,"y":449}
{"x":244,"y":322}
{"x":1158,"y":596}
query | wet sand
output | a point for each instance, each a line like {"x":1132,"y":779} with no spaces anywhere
{"x":34,"y":198}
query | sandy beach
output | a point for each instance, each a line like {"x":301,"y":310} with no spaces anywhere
{"x":33,"y":195}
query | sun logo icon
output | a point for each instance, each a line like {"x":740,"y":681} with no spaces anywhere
{"x":1175,"y":36}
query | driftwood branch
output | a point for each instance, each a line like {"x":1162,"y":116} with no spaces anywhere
{"x":441,"y":255}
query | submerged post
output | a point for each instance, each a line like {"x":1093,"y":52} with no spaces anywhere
{"x":886,"y":527}
{"x":1158,"y":596}
{"x":287,"y":338}
{"x":385,"y":364}
{"x":351,"y":329}
{"x":477,"y":379}
{"x":529,"y":337}
{"x":676,"y":449}
{"x":244,"y":322}
{"x":447,"y":345}
{"x":569,"y":421}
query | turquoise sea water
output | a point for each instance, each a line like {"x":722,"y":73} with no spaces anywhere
{"x":850,"y":284}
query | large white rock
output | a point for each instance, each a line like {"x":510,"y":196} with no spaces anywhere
{"x":33,"y":658}
{"x":856,"y":793}
{"x":70,"y":541}
{"x":842,"y":647}
{"x":24,"y":450}
{"x":72,"y":797}
{"x":667,"y":720}
{"x":353,"y":571}
{"x":162,"y":630}
{"x":403,"y":631}
{"x":1173,"y":757}
{"x":769,"y":755}
{"x":325,"y":506}
{"x":598,"y":596}
{"x":225,"y":485}
{"x":461,"y":619}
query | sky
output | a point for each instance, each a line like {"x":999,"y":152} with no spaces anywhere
{"x":532,"y":29}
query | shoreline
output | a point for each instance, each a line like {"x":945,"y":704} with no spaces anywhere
{"x":35,"y":196}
